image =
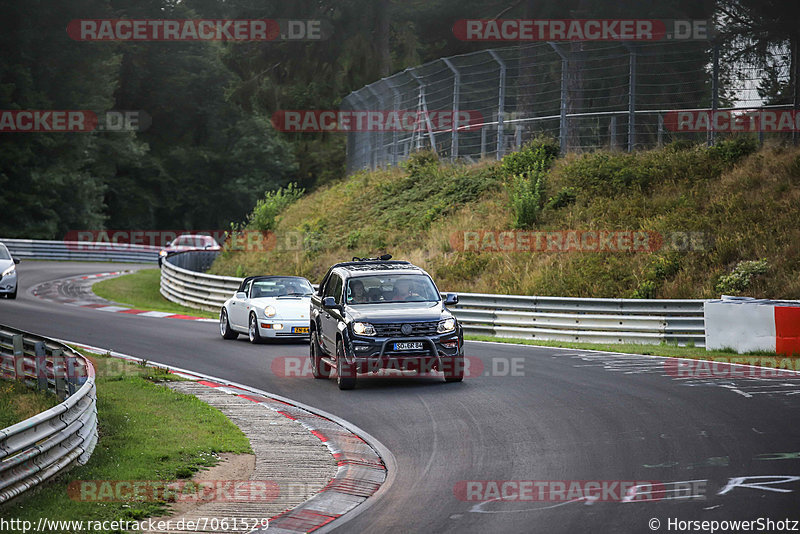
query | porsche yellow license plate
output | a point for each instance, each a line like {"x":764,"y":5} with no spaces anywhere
{"x":300,"y":330}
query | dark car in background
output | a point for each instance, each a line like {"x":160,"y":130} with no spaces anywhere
{"x":375,"y":314}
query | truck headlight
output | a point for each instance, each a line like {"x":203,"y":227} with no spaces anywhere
{"x":363,"y":329}
{"x":445,"y":326}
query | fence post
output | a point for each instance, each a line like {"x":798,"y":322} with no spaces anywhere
{"x":631,"y":96}
{"x":380,"y":144}
{"x":424,"y":104}
{"x":40,"y":365}
{"x":660,"y":130}
{"x":501,"y":104}
{"x":483,"y":142}
{"x":396,"y":106}
{"x":562,"y":127}
{"x":712,"y":134}
{"x":367,"y":159}
{"x":612,"y":132}
{"x":456,"y":99}
{"x":518,"y":136}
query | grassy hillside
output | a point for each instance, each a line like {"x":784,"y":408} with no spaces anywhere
{"x":741,"y":205}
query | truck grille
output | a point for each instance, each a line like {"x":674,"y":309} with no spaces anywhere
{"x":395,"y":329}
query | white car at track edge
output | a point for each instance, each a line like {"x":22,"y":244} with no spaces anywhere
{"x":268,"y":307}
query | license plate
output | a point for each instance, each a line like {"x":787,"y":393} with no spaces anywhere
{"x":411,"y":345}
{"x":299,"y":330}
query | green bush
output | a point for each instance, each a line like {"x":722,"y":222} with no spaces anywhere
{"x":527,"y":197}
{"x":731,"y":151}
{"x":535,"y":155}
{"x":741,"y":276}
{"x":263,"y":217}
{"x":421,"y":162}
{"x":565,"y":197}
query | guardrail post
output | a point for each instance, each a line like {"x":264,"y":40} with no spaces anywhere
{"x":40,"y":365}
{"x":71,"y":370}
{"x":58,"y":373}
{"x":18,"y":357}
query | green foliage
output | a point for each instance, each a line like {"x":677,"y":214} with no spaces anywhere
{"x":741,"y":276}
{"x":662,"y":268}
{"x":420,"y":163}
{"x":564,"y":197}
{"x":537,"y":155}
{"x":527,"y":196}
{"x":526,"y":172}
{"x":607,"y":174}
{"x":264,"y":215}
{"x":464,"y":266}
{"x":732,"y":150}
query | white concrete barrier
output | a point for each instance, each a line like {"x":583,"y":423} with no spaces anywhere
{"x":750,"y":325}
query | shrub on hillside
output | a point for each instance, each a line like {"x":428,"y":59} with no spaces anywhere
{"x":732,"y":150}
{"x":264,"y":215}
{"x":741,"y":276}
{"x":535,"y":155}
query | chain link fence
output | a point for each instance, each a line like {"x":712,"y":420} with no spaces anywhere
{"x":588,"y":95}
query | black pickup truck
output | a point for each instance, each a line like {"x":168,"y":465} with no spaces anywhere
{"x":374,"y":314}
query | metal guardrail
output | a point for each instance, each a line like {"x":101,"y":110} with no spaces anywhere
{"x":81,"y":251}
{"x":51,"y":442}
{"x":194,"y":289}
{"x":590,"y":320}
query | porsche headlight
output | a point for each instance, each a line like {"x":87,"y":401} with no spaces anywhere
{"x":445,"y":326}
{"x":162,"y":253}
{"x":363,"y":329}
{"x":269,"y":311}
{"x":10,"y":269}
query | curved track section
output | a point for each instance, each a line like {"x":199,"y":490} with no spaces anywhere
{"x":719,"y":448}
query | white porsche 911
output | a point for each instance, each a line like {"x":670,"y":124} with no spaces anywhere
{"x":268,"y":307}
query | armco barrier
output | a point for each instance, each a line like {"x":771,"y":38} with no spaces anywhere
{"x":80,"y":251}
{"x":522,"y":317}
{"x":48,"y":443}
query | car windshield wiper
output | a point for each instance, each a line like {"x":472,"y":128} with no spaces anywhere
{"x":295,"y":295}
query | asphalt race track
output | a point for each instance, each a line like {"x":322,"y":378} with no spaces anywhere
{"x":566,"y":415}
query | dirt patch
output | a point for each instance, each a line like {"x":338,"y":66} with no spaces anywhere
{"x":230,"y":467}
